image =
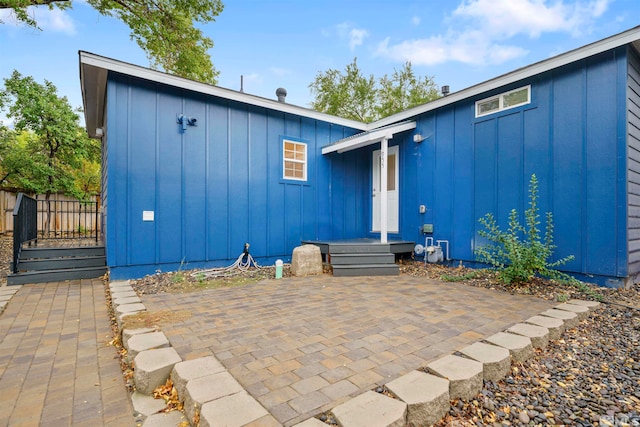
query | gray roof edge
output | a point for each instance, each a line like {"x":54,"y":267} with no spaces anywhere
{"x":603,"y":45}
{"x":110,"y":64}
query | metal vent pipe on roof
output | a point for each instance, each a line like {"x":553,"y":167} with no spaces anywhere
{"x":445,"y":90}
{"x":281,"y":93}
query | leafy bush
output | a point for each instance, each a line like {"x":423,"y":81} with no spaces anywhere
{"x":520,"y":252}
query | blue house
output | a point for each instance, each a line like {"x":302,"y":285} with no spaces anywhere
{"x":191,"y":172}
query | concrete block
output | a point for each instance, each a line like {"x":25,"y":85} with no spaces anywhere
{"x":169,"y":419}
{"x":311,"y":422}
{"x":591,"y":304}
{"x":580,"y":310}
{"x":141,"y":342}
{"x":519,"y":346}
{"x":6,"y":297}
{"x":124,"y":293}
{"x":129,"y":308}
{"x":152,"y":368}
{"x":555,"y":326}
{"x":235,"y":410}
{"x":9,"y":290}
{"x":464,"y":375}
{"x":128,"y":333}
{"x":495,"y":360}
{"x":188,"y":370}
{"x":426,"y":396}
{"x":306,"y":260}
{"x":207,"y":388}
{"x":539,"y":336}
{"x":119,"y":283}
{"x":371,"y":409}
{"x":125,"y":300}
{"x":569,"y":318}
{"x":145,"y":404}
{"x":266,"y":421}
{"x":3,"y":305}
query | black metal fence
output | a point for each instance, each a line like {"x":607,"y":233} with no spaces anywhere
{"x":25,"y":225}
{"x":68,"y":219}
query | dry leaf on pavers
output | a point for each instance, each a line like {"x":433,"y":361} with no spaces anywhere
{"x":170,"y":395}
{"x":196,"y":418}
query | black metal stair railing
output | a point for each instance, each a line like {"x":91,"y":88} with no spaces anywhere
{"x":25,"y":225}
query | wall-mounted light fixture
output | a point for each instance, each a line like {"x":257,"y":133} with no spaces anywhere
{"x":186,"y":121}
{"x":99,"y":132}
{"x":417,"y":138}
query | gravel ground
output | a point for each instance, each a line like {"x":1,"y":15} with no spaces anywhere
{"x":6,"y":257}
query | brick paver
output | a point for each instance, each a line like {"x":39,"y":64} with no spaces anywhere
{"x":55,"y":365}
{"x":303,"y":346}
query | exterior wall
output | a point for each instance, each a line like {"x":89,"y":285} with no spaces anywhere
{"x":571,"y":136}
{"x":633,"y":162}
{"x":217,"y":185}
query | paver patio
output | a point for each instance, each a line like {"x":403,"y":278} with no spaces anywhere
{"x":56,"y":368}
{"x":301,"y":346}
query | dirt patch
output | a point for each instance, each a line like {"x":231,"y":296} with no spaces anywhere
{"x":150,"y":319}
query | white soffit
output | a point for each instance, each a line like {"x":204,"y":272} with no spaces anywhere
{"x":367,"y":138}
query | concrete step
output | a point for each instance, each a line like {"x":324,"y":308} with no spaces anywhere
{"x":61,"y":263}
{"x":235,"y":410}
{"x":555,"y":326}
{"x":153,"y":367}
{"x":351,"y":259}
{"x":464,"y":375}
{"x":569,"y":318}
{"x":519,"y":346}
{"x":56,"y":275}
{"x":188,"y":370}
{"x":426,"y":396}
{"x":142,"y":342}
{"x":495,"y":360}
{"x":366,"y":270}
{"x":371,"y":409}
{"x":78,"y":251}
{"x":199,"y":391}
{"x":580,"y":310}
{"x":539,"y":336}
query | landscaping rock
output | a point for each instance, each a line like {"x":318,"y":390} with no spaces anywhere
{"x":152,"y":368}
{"x":539,"y":336}
{"x":371,"y":410}
{"x":306,"y":261}
{"x":236,"y":410}
{"x":520,"y":347}
{"x":464,"y":375}
{"x":426,"y":395}
{"x":188,"y":370}
{"x":495,"y":360}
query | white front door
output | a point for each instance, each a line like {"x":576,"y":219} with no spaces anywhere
{"x":392,"y":190}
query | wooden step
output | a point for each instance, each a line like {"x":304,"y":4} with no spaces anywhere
{"x":40,"y":253}
{"x":370,"y":258}
{"x":355,"y":248}
{"x":40,"y":264}
{"x":366,"y":270}
{"x":55,"y":275}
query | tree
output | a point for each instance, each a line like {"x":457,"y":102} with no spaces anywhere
{"x":164,"y":29}
{"x":353,"y":95}
{"x":48,"y":149}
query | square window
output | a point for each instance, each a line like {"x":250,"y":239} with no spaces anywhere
{"x":294,"y":160}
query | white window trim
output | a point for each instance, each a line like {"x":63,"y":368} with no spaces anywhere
{"x":304,"y":162}
{"x":500,"y":98}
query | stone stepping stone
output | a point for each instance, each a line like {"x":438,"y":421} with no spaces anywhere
{"x":371,"y":409}
{"x":142,"y":342}
{"x":126,"y":300}
{"x":495,"y":360}
{"x":146,"y":405}
{"x":207,"y":388}
{"x":539,"y":336}
{"x":188,"y":370}
{"x":591,"y":304}
{"x":519,"y":346}
{"x":170,"y":419}
{"x":152,"y":368}
{"x":569,"y":318}
{"x":580,"y":310}
{"x":464,"y":375}
{"x":426,"y":396}
{"x":311,"y":422}
{"x":235,"y":410}
{"x":555,"y":326}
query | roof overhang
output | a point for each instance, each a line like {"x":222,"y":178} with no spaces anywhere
{"x":367,"y":138}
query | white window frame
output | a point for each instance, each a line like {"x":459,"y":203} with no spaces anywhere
{"x":304,"y":162}
{"x":500,"y":99}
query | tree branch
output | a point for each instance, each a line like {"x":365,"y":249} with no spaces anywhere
{"x":10,"y":4}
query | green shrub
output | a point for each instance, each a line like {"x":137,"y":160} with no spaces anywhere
{"x":520,"y":252}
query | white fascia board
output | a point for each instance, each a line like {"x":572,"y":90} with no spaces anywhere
{"x":359,"y":141}
{"x":626,"y":37}
{"x":181,"y":82}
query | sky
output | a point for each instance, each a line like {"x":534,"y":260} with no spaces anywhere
{"x":286,"y":43}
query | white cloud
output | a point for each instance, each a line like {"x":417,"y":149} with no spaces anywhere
{"x":347,"y":31}
{"x":55,"y":20}
{"x":415,"y":20}
{"x":479,"y":30}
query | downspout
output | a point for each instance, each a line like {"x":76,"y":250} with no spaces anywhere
{"x":384,"y":149}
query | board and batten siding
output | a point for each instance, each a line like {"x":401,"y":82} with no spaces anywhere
{"x":217,"y":185}
{"x":633,"y":161}
{"x":571,"y":136}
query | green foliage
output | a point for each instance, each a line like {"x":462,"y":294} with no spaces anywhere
{"x":48,"y":152}
{"x":353,"y":95}
{"x":164,"y":29}
{"x":521,"y":252}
